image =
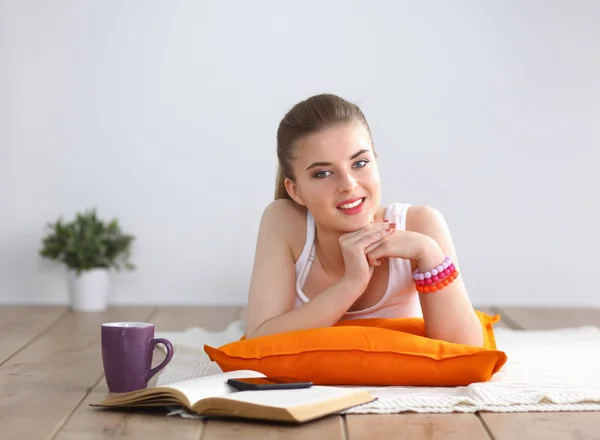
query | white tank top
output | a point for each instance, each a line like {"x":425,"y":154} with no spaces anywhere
{"x":401,"y":299}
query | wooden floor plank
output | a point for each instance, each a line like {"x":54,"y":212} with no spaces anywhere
{"x":411,"y":426}
{"x":24,"y":324}
{"x":89,"y":423}
{"x":41,"y":385}
{"x":545,"y":318}
{"x":329,"y":428}
{"x":542,"y":425}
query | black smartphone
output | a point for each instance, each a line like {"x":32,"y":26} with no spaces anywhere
{"x":267,"y":383}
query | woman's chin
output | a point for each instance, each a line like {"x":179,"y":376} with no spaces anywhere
{"x":356,"y":223}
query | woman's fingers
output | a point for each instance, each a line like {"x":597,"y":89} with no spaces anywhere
{"x":376,"y":251}
{"x":373,"y":246}
{"x":371,"y":236}
{"x":371,"y":227}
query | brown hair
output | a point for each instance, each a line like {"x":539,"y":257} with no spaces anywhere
{"x":314,"y":114}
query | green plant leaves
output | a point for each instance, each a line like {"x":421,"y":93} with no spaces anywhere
{"x":88,"y":243}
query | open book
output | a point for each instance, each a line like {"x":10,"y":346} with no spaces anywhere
{"x":212,"y":396}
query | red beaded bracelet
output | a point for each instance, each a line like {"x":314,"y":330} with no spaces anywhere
{"x":439,"y":285}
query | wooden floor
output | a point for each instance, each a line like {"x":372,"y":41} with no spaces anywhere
{"x":50,"y":370}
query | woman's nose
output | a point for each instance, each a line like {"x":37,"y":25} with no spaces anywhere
{"x":347,"y":183}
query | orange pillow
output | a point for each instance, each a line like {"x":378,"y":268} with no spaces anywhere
{"x":350,"y":354}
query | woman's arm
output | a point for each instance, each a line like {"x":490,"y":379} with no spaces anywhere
{"x":448,"y":313}
{"x":272,"y":286}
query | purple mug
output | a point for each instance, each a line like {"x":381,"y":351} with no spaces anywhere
{"x":127,"y":349}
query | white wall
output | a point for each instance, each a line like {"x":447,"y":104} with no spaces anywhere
{"x":164,"y":114}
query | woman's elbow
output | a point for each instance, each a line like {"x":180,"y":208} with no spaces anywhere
{"x":251,"y":332}
{"x":254,"y":331}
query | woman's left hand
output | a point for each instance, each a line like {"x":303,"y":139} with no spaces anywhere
{"x":408,"y":245}
{"x":426,"y":240}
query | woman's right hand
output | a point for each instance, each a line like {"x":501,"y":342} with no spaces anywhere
{"x":358,"y":270}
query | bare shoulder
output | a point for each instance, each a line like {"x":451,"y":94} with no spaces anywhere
{"x":287,"y":220}
{"x":429,"y":221}
{"x":424,"y":218}
{"x":281,"y":209}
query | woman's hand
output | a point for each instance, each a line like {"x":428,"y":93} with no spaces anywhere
{"x":408,"y":245}
{"x":354,"y":244}
{"x":426,"y":241}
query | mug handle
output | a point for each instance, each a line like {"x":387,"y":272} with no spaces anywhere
{"x":164,"y":363}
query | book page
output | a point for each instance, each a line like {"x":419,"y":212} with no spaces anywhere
{"x":292,"y":397}
{"x":210,"y":386}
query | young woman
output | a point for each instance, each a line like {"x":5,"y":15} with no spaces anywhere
{"x":328,"y":251}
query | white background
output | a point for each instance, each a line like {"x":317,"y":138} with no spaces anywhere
{"x":164,"y":113}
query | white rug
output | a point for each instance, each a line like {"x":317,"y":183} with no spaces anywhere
{"x":553,"y":370}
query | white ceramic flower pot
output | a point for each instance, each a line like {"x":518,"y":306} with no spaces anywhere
{"x":89,"y":290}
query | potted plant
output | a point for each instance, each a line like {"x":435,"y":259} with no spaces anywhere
{"x":89,"y":248}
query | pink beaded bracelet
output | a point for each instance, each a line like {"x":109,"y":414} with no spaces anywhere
{"x":436,"y":274}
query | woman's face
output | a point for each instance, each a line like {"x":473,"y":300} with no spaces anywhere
{"x":337,"y":178}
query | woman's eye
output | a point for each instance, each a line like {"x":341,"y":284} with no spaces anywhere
{"x":321,"y":174}
{"x":359,"y":164}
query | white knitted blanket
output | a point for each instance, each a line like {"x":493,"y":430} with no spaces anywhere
{"x":552,"y":370}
